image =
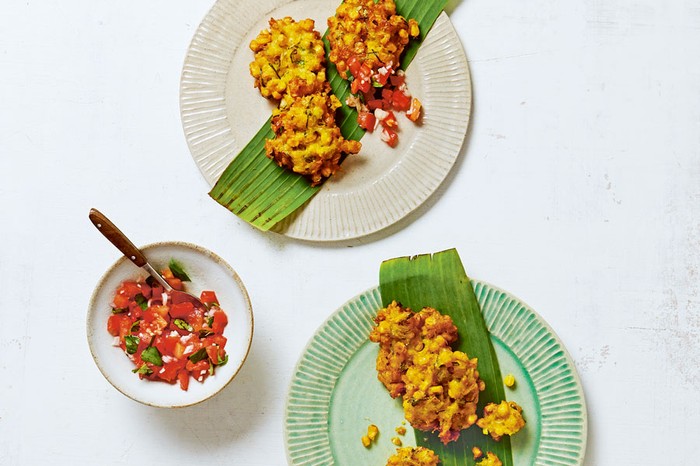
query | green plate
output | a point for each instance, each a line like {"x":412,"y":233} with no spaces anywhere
{"x":334,"y":393}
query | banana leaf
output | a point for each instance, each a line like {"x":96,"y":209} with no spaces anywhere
{"x":439,"y":281}
{"x":260,"y":192}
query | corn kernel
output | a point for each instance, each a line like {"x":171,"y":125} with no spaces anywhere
{"x":437,"y":389}
{"x":396,"y":441}
{"x":476,"y":451}
{"x":365,"y":441}
{"x":372,"y":432}
{"x":401,"y":430}
{"x":509,"y":381}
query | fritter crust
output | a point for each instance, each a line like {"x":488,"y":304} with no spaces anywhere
{"x":289,"y":59}
{"x":370,"y":31}
{"x":501,"y":419}
{"x":307,"y":139}
{"x":440,"y":387}
{"x":413,"y":456}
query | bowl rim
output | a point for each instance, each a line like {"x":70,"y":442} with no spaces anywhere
{"x":216,"y":258}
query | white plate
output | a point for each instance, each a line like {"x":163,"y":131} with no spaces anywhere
{"x":221,"y":112}
{"x":208,"y":272}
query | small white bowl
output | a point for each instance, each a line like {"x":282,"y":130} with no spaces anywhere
{"x":208,"y":272}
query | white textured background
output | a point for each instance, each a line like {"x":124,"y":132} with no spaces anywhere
{"x":578,"y":190}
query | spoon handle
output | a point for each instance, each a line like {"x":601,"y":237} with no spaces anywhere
{"x":117,"y":238}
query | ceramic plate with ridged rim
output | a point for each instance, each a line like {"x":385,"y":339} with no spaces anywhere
{"x":221,"y":112}
{"x":334,"y":394}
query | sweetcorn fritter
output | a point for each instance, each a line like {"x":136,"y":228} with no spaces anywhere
{"x":307,"y":139}
{"x":490,"y":460}
{"x":440,"y":387}
{"x":370,"y":31}
{"x":289,"y":67}
{"x":289,"y":59}
{"x":442,"y":390}
{"x":501,"y":419}
{"x":413,"y":456}
{"x":400,"y":330}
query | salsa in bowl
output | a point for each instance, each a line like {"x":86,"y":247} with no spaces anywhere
{"x":165,"y":353}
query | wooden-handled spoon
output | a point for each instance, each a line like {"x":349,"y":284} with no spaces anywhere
{"x":134,"y":254}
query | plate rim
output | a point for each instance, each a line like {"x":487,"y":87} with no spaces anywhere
{"x":145,"y":248}
{"x":475,"y":283}
{"x":322,"y":219}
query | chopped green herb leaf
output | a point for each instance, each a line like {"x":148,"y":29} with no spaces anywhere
{"x":199,"y":355}
{"x":141,"y":301}
{"x":181,"y":324}
{"x":177,"y":270}
{"x":132,"y":343}
{"x":143,"y":370}
{"x":210,"y":321}
{"x":135,"y":326}
{"x":223,"y":361}
{"x":152,"y":355}
{"x":119,"y":310}
{"x":211,"y":369}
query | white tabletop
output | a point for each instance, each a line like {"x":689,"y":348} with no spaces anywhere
{"x":577,"y":190}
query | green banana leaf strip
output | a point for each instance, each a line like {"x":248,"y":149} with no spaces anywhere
{"x":260,"y":192}
{"x":440,"y":281}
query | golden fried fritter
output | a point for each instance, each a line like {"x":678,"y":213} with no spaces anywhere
{"x":501,"y":419}
{"x":490,"y":460}
{"x":370,"y":31}
{"x":307,"y":139}
{"x":413,"y":456}
{"x":399,"y":330}
{"x":440,"y":387}
{"x":289,"y":59}
{"x":442,"y":390}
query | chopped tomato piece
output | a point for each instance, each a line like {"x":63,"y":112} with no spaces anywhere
{"x":184,"y":378}
{"x":220,"y":321}
{"x":166,"y":344}
{"x":382,"y":76}
{"x":389,"y":121}
{"x":146,"y":290}
{"x":397,"y":80}
{"x":390,"y":137}
{"x":377,"y":103}
{"x":176,"y":283}
{"x":181,"y":310}
{"x":354,"y":65}
{"x":170,"y":370}
{"x":386,"y":94}
{"x":130,"y":289}
{"x":209,"y":297}
{"x":196,"y":367}
{"x":400,"y":101}
{"x":118,"y":325}
{"x":218,"y":340}
{"x":215,"y":353}
{"x":120,"y":301}
{"x":366,"y":120}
